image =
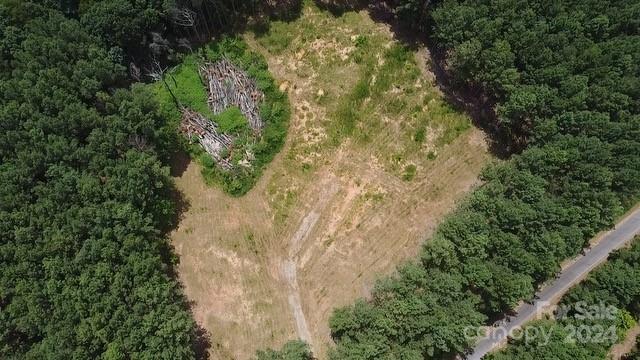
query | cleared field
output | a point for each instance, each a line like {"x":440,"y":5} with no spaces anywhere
{"x":374,"y":159}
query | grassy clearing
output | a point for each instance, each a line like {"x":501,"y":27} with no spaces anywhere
{"x":370,"y":86}
{"x":377,"y":189}
{"x":185,"y":83}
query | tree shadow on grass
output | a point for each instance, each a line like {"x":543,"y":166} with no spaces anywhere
{"x":463,"y":97}
{"x":171,"y":221}
{"x":202,"y":340}
{"x":180,"y":206}
{"x":339,"y":7}
{"x":179,"y":163}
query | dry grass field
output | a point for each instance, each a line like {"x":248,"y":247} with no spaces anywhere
{"x":374,"y":159}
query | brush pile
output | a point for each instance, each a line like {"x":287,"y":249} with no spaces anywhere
{"x":227,"y":86}
{"x":230,"y":86}
{"x":217,"y":144}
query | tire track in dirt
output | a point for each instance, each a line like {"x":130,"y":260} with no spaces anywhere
{"x":289,"y":266}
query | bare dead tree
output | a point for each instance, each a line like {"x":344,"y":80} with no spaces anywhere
{"x":183,"y":17}
{"x":185,"y":44}
{"x":186,"y":18}
{"x":158,"y":73}
{"x":155,"y":71}
{"x":134,"y":71}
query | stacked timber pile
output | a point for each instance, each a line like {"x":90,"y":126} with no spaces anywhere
{"x":215,"y":143}
{"x":230,"y":86}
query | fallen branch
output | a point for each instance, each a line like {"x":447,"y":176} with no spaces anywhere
{"x":206,"y":132}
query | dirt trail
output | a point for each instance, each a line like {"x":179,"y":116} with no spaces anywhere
{"x":290,"y":265}
{"x":626,"y":346}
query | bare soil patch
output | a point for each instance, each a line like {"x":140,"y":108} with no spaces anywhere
{"x":618,"y":351}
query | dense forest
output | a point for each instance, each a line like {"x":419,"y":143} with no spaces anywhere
{"x":85,"y":200}
{"x":615,"y":283}
{"x":563,"y":78}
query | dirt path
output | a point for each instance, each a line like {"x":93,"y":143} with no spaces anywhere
{"x":289,"y":269}
{"x":623,"y":348}
{"x":290,"y":265}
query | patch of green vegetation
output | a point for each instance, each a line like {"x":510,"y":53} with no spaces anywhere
{"x":409,"y":172}
{"x":278,"y":38}
{"x":185,"y":83}
{"x":251,"y":242}
{"x":381,"y":90}
{"x":395,"y":106}
{"x":450,"y":121}
{"x":376,"y":197}
{"x":292,"y":350}
{"x":348,"y":114}
{"x":349,"y":111}
{"x":420,"y":135}
{"x":361,"y":41}
{"x":399,"y":67}
{"x":231,"y":121}
{"x":282,"y":201}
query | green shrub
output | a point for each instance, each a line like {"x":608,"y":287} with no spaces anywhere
{"x":409,"y":172}
{"x":231,"y":121}
{"x":361,"y":41}
{"x":420,"y":135}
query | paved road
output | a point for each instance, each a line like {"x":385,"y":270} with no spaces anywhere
{"x":624,"y":231}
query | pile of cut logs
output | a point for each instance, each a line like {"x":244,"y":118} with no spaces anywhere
{"x":214,"y":142}
{"x":230,"y":86}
